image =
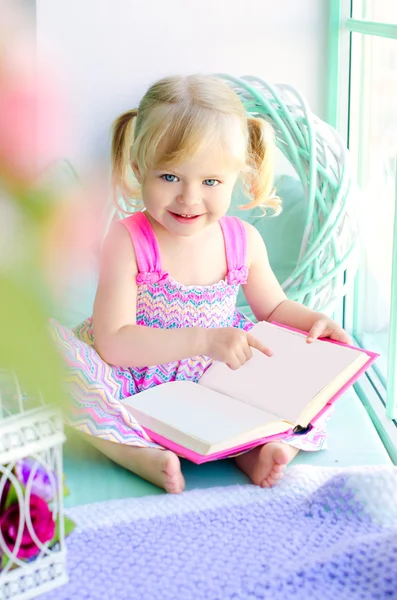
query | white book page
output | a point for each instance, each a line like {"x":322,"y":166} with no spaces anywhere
{"x":286,"y":382}
{"x":196,"y":411}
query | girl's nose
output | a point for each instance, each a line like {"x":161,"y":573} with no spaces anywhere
{"x":190,"y":196}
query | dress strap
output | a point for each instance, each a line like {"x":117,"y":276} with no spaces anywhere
{"x":146,"y":248}
{"x":235,"y":237}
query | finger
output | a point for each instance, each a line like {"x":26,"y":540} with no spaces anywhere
{"x":318,"y":328}
{"x":341,"y":336}
{"x":254,"y":343}
{"x":234,"y":363}
{"x":247,"y":352}
{"x":242,"y":357}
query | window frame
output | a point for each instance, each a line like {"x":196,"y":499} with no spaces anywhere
{"x":378,"y":395}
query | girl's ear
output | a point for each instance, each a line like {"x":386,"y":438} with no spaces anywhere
{"x":137,"y":172}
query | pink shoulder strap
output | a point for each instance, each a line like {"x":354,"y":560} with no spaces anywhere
{"x":236,"y":249}
{"x":146,"y":248}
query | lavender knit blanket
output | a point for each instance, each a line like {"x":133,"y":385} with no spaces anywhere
{"x":322,"y":534}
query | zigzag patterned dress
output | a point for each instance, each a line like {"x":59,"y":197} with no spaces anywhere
{"x":96,"y":389}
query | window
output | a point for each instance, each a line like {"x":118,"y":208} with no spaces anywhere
{"x":373,"y":145}
{"x":381,"y":11}
{"x":367,"y":83}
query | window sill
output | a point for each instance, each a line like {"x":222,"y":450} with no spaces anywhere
{"x":371,"y":400}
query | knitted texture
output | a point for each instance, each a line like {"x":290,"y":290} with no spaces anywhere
{"x":322,"y":533}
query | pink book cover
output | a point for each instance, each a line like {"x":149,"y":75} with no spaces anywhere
{"x":197,"y":458}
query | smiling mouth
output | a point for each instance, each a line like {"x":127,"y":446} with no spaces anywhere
{"x":184,"y":217}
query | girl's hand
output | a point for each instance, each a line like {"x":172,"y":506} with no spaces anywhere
{"x":325,"y":327}
{"x":232,"y":346}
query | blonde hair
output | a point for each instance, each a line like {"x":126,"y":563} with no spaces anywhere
{"x":175,"y":118}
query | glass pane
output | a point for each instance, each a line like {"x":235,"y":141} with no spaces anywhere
{"x":357,"y":8}
{"x":381,"y":11}
{"x":373,"y":144}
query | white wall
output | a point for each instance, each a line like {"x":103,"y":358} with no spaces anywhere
{"x":107,"y":52}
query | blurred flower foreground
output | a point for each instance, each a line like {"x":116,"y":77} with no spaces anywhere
{"x":49,"y":224}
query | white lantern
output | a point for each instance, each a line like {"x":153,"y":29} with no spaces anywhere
{"x":31,"y":495}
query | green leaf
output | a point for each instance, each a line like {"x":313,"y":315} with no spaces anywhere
{"x":4,"y":561}
{"x":55,"y":539}
{"x":12,"y":497}
{"x":66,"y":491}
{"x":69,"y":526}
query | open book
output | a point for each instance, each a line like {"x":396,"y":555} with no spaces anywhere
{"x":268,"y":398}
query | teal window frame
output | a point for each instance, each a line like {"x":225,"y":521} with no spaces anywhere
{"x":377,"y":393}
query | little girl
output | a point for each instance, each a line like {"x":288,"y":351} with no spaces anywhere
{"x":170,"y":275}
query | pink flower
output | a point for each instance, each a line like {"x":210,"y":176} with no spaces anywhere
{"x":33,"y":115}
{"x":42,"y":523}
{"x":22,"y":151}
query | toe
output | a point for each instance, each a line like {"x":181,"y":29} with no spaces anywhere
{"x":280,"y":456}
{"x":273,"y":477}
{"x":273,"y":480}
{"x":270,"y":481}
{"x":279,"y":469}
{"x":175,"y":487}
{"x":276,"y":474}
{"x":265,"y":484}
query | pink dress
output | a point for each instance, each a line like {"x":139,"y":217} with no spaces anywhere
{"x":96,"y":389}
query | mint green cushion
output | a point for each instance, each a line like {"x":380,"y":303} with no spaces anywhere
{"x":282,"y":234}
{"x":78,"y":298}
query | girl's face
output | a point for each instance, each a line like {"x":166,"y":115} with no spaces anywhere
{"x":190,"y":196}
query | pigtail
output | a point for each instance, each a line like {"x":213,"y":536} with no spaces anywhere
{"x":261,"y":156}
{"x":123,"y":186}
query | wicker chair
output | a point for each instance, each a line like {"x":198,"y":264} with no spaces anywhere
{"x":328,"y":256}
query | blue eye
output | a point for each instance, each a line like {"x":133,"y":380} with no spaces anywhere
{"x":211,"y":182}
{"x":170,"y":178}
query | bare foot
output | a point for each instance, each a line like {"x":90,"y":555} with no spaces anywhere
{"x":265,"y":465}
{"x":160,"y":467}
